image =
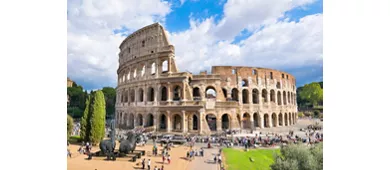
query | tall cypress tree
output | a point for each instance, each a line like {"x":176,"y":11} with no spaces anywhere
{"x":98,"y":117}
{"x":85,"y":121}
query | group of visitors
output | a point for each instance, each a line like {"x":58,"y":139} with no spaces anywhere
{"x":85,"y":148}
{"x":193,"y":152}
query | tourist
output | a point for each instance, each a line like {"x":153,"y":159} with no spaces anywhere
{"x":149,"y":164}
{"x":219,"y":159}
{"x":69,"y":154}
{"x":143,"y":163}
{"x":162,"y":167}
{"x":169,"y":159}
{"x":163,"y":159}
{"x":155,"y":168}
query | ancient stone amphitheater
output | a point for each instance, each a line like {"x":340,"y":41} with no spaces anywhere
{"x":152,"y":93}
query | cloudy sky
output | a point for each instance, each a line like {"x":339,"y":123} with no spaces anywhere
{"x":280,"y":34}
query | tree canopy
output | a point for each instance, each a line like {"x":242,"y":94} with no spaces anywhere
{"x":312,"y":93}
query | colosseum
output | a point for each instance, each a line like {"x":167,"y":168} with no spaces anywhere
{"x":153,"y":93}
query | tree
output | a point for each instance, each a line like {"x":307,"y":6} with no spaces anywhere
{"x":110,"y":98}
{"x":299,"y":157}
{"x":85,"y":126}
{"x":69,"y":126}
{"x":98,"y":117}
{"x":311,"y":92}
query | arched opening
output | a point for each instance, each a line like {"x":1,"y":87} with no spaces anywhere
{"x":246,"y":120}
{"x":212,"y":121}
{"x":288,"y":97}
{"x":256,"y":120}
{"x":225,"y":121}
{"x":163,"y":122}
{"x":224,"y":91}
{"x":289,"y":119}
{"x":278,"y":85}
{"x":132,"y":95}
{"x":177,"y":122}
{"x":272,"y":96}
{"x":126,"y":119}
{"x":244,"y":83}
{"x":245,"y":96}
{"x":143,"y":70}
{"x":165,"y":66}
{"x":141,"y":95}
{"x":150,"y":94}
{"x":211,"y":93}
{"x":239,"y":120}
{"x":255,"y":96}
{"x":284,"y":98}
{"x":235,"y":94}
{"x":279,"y":98}
{"x":266,"y":120}
{"x":196,"y":93}
{"x":153,"y":69}
{"x":164,"y":93}
{"x":280,"y":117}
{"x":135,"y":73}
{"x":149,"y":120}
{"x":131,"y":121}
{"x":194,"y":122}
{"x":285,"y":119}
{"x":140,"y":121}
{"x":264,"y":95}
{"x":126,"y":96}
{"x":274,"y":120}
{"x":177,"y":93}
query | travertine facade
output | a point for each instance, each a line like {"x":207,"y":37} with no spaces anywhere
{"x":153,"y":93}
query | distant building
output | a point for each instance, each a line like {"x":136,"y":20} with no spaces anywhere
{"x":69,"y":83}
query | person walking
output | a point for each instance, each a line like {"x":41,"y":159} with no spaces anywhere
{"x":169,"y":159}
{"x":163,"y":159}
{"x":143,"y":163}
{"x":149,"y":164}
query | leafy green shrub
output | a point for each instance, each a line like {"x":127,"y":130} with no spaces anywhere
{"x":69,"y":126}
{"x":300,"y":114}
{"x":299,"y":157}
{"x":308,"y":114}
{"x":316,"y":113}
{"x":75,"y":139}
{"x":98,"y":118}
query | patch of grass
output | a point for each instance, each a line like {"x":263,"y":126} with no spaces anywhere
{"x":238,"y":159}
{"x":74,"y":139}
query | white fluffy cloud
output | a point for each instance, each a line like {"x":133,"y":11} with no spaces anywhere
{"x":93,"y":47}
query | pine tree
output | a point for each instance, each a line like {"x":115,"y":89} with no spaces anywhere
{"x":85,"y":121}
{"x":98,"y":117}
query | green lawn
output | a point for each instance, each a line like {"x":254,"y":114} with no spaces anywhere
{"x":237,"y":159}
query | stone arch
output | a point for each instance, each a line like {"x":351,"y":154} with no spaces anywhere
{"x":225,"y":119}
{"x":164,"y":93}
{"x":140,"y":95}
{"x":125,"y":119}
{"x":196,"y":93}
{"x":143,"y":69}
{"x":289,"y":118}
{"x":264,"y":95}
{"x":235,"y":94}
{"x":177,"y":93}
{"x":131,"y":121}
{"x":246,"y":121}
{"x":256,"y":120}
{"x":153,"y":69}
{"x":150,"y":94}
{"x":140,"y":120}
{"x":278,"y":86}
{"x":163,"y":122}
{"x":255,"y":96}
{"x":285,"y":119}
{"x":245,"y":96}
{"x":212,"y":121}
{"x":272,"y":96}
{"x":195,"y":122}
{"x":279,"y":98}
{"x":266,"y":120}
{"x":288,"y":98}
{"x":149,"y":120}
{"x":280,"y":117}
{"x":211,"y":92}
{"x":126,"y":96}
{"x":132,"y":95}
{"x":274,"y":120}
{"x":244,"y":83}
{"x":238,"y":120}
{"x":284,"y":98}
{"x":135,"y":73}
{"x":164,"y":65}
{"x":177,"y":123}
{"x":224,"y":91}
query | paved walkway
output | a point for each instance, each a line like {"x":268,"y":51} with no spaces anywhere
{"x":206,"y":162}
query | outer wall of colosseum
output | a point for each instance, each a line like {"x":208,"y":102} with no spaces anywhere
{"x":152,"y":93}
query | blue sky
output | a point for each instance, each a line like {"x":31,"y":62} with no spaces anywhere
{"x":280,"y":34}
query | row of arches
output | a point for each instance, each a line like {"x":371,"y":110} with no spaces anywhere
{"x":246,"y":121}
{"x":141,"y":70}
{"x":282,"y":97}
